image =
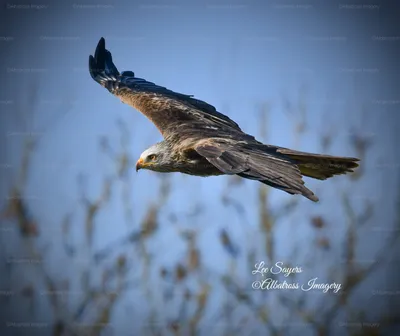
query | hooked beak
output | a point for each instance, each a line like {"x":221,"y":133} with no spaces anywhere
{"x":139,"y":164}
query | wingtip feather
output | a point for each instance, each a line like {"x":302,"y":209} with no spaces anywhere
{"x":101,"y":66}
{"x":92,"y":66}
{"x":310,"y":195}
{"x":101,"y":45}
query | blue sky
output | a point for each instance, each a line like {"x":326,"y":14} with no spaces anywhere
{"x":235,"y":56}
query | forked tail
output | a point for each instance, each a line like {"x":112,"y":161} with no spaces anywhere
{"x":321,"y":166}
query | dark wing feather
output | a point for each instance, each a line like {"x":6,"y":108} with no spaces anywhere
{"x":256,"y":162}
{"x":168,"y":110}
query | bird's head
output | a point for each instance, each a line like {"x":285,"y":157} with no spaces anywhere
{"x":156,"y":158}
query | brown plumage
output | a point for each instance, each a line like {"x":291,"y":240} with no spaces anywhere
{"x":199,"y":140}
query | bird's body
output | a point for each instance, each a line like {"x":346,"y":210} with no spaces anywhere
{"x":199,"y":140}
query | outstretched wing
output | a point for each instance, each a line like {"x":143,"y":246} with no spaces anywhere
{"x":170,"y":111}
{"x":255,"y":161}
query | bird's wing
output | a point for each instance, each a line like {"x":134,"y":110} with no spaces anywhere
{"x":170,"y":111}
{"x":254,"y":161}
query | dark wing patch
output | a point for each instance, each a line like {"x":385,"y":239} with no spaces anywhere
{"x":229,"y":162}
{"x":249,"y":162}
{"x":162,"y":106}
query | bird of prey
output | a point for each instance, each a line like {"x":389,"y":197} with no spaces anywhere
{"x":199,"y":140}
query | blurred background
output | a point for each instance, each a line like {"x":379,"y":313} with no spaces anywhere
{"x":90,"y":247}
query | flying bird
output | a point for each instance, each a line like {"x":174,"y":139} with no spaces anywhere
{"x":199,"y":140}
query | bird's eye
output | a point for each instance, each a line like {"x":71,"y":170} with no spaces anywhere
{"x":152,"y":157}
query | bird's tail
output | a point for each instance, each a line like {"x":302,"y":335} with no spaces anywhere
{"x":320,"y":166}
{"x":288,"y":178}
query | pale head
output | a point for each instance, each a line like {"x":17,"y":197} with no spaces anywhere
{"x":156,"y":158}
